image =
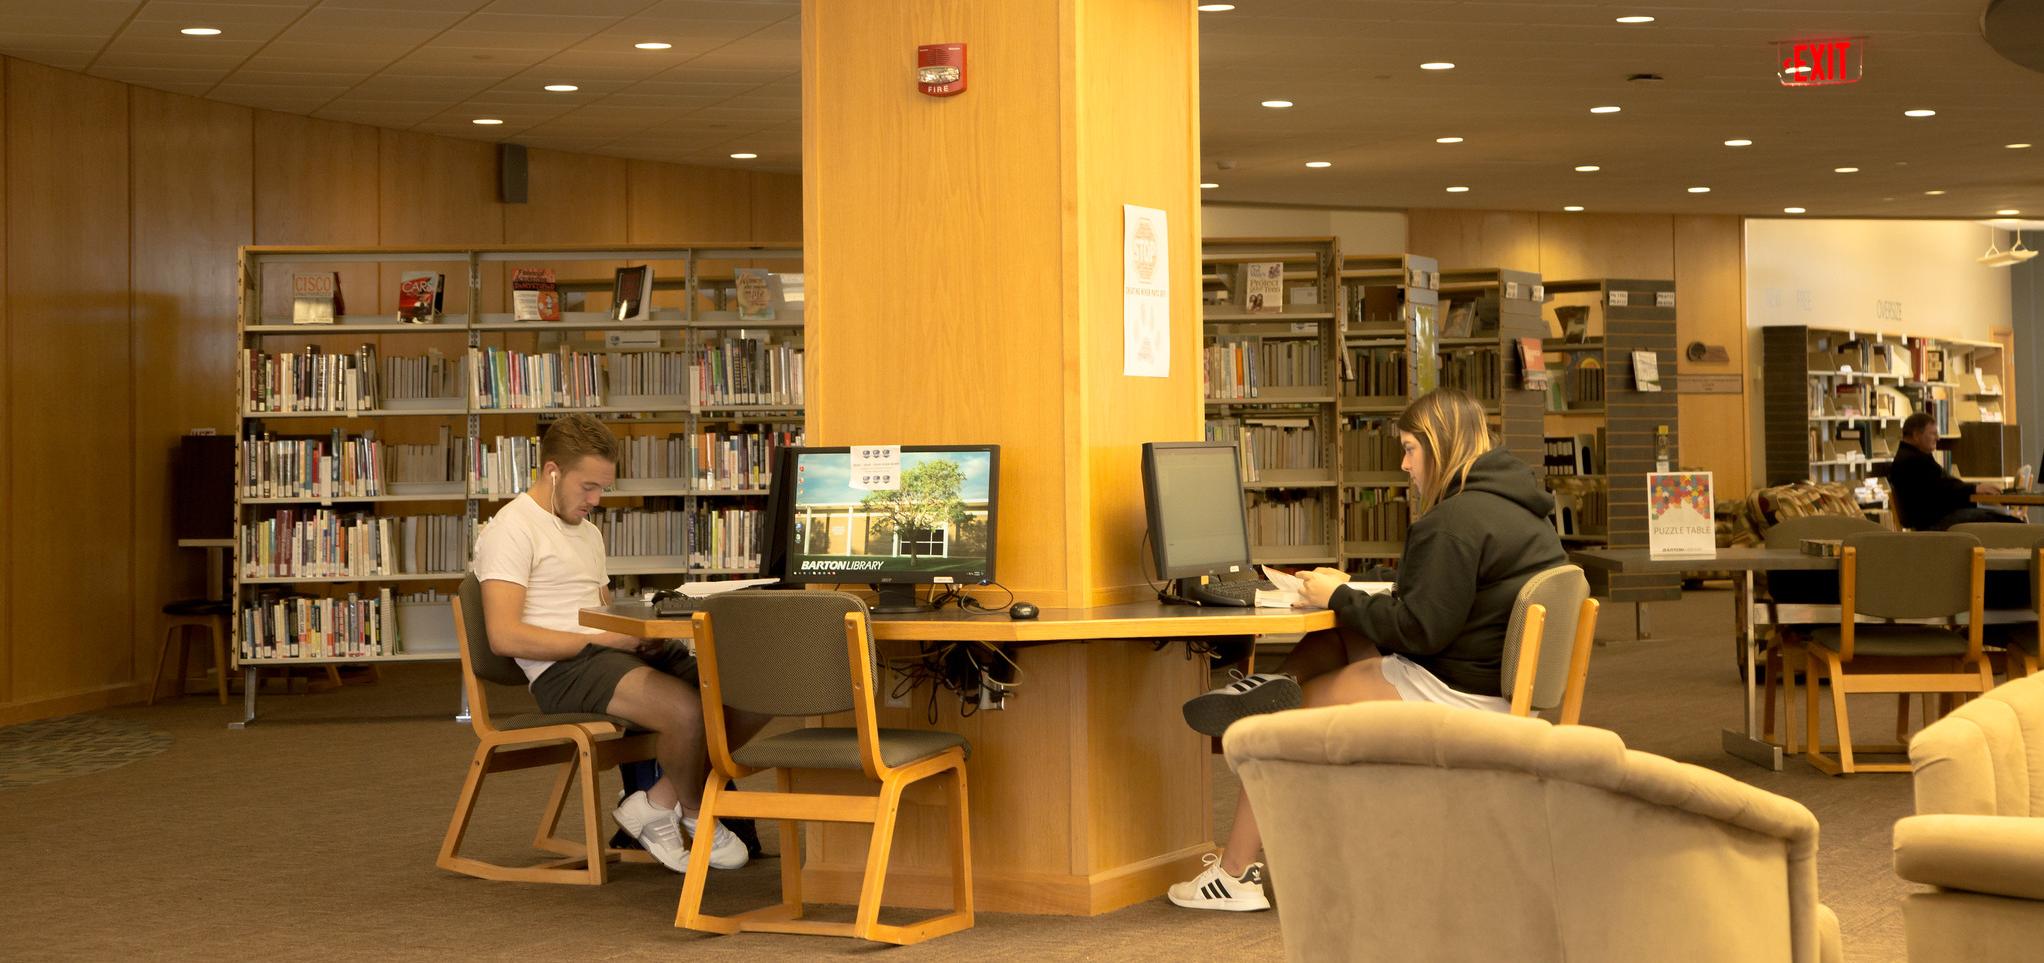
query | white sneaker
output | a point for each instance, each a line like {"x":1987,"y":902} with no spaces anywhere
{"x":1214,"y":889}
{"x":727,"y":851}
{"x":655,"y":828}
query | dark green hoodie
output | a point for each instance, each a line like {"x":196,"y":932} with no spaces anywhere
{"x":1463,"y":566}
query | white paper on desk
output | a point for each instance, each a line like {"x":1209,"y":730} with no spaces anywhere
{"x":703,"y":590}
{"x":1285,"y":596}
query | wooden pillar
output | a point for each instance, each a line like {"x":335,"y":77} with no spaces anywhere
{"x":964,"y":259}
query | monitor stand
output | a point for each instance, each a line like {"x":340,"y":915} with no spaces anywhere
{"x":896,"y":599}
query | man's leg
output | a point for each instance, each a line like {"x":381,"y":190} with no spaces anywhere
{"x":654,"y":700}
{"x":1974,"y":514}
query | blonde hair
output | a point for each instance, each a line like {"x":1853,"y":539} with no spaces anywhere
{"x":1449,"y":425}
{"x":566,"y":442}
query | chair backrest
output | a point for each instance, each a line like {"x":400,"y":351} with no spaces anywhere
{"x":1894,"y":506}
{"x":1987,"y":757}
{"x":2002,"y":534}
{"x":1561,"y":591}
{"x":1557,"y":841}
{"x":783,"y":653}
{"x":1912,"y":575}
{"x":486,"y":664}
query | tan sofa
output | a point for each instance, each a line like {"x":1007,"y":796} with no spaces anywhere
{"x":1978,"y":836}
{"x":1399,"y":831}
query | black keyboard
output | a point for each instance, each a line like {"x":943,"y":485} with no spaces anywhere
{"x":1239,"y":594}
{"x":675,"y":606}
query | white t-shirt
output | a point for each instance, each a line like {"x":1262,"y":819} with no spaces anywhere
{"x":561,"y":566}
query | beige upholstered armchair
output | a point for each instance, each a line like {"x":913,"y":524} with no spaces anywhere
{"x":1978,"y":836}
{"x":1404,"y":831}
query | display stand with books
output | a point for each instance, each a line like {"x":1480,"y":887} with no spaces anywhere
{"x":1502,"y":346}
{"x":1391,"y":354}
{"x":374,"y":445}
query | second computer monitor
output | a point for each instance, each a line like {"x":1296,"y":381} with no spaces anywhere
{"x":1193,"y":493}
{"x":936,"y":526}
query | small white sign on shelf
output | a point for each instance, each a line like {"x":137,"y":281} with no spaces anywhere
{"x":1619,"y":299}
{"x":875,"y":468}
{"x":1664,"y":299}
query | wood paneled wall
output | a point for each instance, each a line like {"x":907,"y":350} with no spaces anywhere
{"x":123,"y":208}
{"x":1703,"y":255}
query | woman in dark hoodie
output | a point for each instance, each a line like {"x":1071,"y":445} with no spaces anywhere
{"x":1438,"y":636}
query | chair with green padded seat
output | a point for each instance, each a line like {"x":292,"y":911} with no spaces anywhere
{"x":1920,"y":577}
{"x":1796,"y":601}
{"x":2011,"y":590}
{"x":582,"y":744}
{"x":1547,"y":644}
{"x":811,"y":654}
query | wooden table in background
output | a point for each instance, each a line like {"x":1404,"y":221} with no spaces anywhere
{"x":1088,"y":791}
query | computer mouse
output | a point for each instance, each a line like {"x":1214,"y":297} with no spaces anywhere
{"x":1022,"y":610}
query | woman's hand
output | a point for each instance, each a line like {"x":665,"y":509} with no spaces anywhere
{"x":1317,"y":586}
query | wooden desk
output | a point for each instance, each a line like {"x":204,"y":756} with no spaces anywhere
{"x":1746,"y":560}
{"x":1088,"y":791}
{"x":2011,"y":499}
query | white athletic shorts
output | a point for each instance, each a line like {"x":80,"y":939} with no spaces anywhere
{"x":1415,"y":684}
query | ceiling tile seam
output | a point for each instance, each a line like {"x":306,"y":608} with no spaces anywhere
{"x":302,"y":14}
{"x":570,"y":110}
{"x":115,"y":35}
{"x":762,"y":28}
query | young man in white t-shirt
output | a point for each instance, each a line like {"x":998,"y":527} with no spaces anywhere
{"x":541,"y":562}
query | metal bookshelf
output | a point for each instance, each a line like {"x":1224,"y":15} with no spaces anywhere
{"x":1390,"y":303}
{"x":477,"y":291}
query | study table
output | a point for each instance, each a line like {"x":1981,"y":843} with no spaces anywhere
{"x":1746,"y":560}
{"x":1088,"y":791}
{"x":2011,"y":499}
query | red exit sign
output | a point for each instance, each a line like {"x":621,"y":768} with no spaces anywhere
{"x":1820,"y":62}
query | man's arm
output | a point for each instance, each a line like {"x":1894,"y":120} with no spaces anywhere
{"x":511,"y":636}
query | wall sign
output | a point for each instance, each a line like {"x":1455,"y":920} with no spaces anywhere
{"x":1820,"y":61}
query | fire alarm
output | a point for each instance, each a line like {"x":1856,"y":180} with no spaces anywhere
{"x":940,"y":69}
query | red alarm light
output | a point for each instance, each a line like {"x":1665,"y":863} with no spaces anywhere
{"x":940,"y":69}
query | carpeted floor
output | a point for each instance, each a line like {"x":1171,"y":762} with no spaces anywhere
{"x":312,"y":836}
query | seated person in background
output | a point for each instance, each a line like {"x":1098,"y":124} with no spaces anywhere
{"x":541,"y":562}
{"x":1931,"y":499}
{"x":1439,"y":636}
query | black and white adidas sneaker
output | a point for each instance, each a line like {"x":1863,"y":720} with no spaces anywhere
{"x":1216,"y":889}
{"x":1250,"y":695}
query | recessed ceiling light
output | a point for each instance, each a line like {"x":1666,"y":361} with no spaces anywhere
{"x":1277,"y":103}
{"x":2008,"y":212}
{"x":1458,"y":190}
{"x":1635,"y":20}
{"x":1437,"y":65}
{"x":1209,"y":185}
{"x":1845,"y":170}
{"x":1215,"y":7}
{"x":1317,"y":164}
{"x":1933,"y":193}
{"x":1603,"y":110}
{"x":1792,"y":210}
{"x":1919,"y":112}
{"x":744,"y":155}
{"x":1447,"y":140}
{"x":200,"y":31}
{"x":1699,"y":190}
{"x":563,"y":88}
{"x":653,"y":45}
{"x":1738,"y":142}
{"x":486,"y":121}
{"x":2016,"y":146}
{"x":1573,"y":207}
{"x":1586,"y":168}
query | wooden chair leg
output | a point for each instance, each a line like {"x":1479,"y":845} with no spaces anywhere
{"x":170,"y":632}
{"x":1811,"y":739}
{"x":961,"y":846}
{"x":592,"y":815}
{"x":791,"y":851}
{"x":877,"y":853}
{"x":1902,"y":715}
{"x":1841,"y":718}
{"x":689,"y":914}
{"x":545,"y":837}
{"x":464,"y":809}
{"x":184,"y":658}
{"x":1788,"y":699}
{"x":1774,"y":664}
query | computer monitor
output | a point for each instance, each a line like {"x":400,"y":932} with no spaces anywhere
{"x":937,"y":527}
{"x":1193,"y":493}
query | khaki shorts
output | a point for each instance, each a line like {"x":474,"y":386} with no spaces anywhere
{"x":586,"y":682}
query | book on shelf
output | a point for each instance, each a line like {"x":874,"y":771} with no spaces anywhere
{"x":739,"y":460}
{"x":1477,"y":370}
{"x":631,"y":293}
{"x":421,"y":296}
{"x":315,"y":297}
{"x":1581,"y":505}
{"x":1263,"y":287}
{"x":747,"y":371}
{"x":1849,"y":399}
{"x":1375,"y":515}
{"x":1575,"y":322}
{"x":1458,"y":318}
{"x":1532,"y":365}
{"x":1377,"y":372}
{"x":1238,"y":367}
{"x":310,"y":627}
{"x":721,"y":538}
{"x":1370,"y":444}
{"x":506,"y":379}
{"x":326,"y":544}
{"x":755,"y":294}
{"x":429,"y":380}
{"x":507,"y":467}
{"x":1287,"y":519}
{"x":1646,"y":371}
{"x":309,"y":381}
{"x":436,"y":466}
{"x":535,"y":295}
{"x":334,"y":466}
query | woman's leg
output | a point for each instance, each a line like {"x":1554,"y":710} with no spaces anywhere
{"x":1317,"y":654}
{"x":1360,"y":681}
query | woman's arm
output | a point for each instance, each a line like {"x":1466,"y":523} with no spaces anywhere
{"x":1436,"y":588}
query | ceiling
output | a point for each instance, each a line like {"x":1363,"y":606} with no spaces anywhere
{"x":1527,"y":72}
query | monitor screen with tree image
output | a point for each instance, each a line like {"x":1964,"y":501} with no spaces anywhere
{"x":937,"y":526}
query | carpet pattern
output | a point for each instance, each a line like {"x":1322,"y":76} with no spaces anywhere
{"x":34,"y":753}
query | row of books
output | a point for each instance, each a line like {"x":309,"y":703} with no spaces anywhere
{"x":1239,"y":367}
{"x":1370,"y":444}
{"x":330,"y":467}
{"x":1580,"y":385}
{"x":428,"y":377}
{"x":1582,"y":505}
{"x":1573,"y":455}
{"x":714,"y":460}
{"x":660,"y":373}
{"x":328,"y":544}
{"x":309,"y":380}
{"x":302,"y":627}
{"x":1279,"y":519}
{"x":507,"y":468}
{"x":1853,"y":441}
{"x":1375,"y":515}
{"x":1478,"y":370}
{"x":748,"y":371}
{"x":708,"y":538}
{"x":1376,"y":373}
{"x":436,"y":462}
{"x":506,"y":378}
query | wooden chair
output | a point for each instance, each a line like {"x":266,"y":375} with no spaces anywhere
{"x":581,"y":744}
{"x":1889,"y":575}
{"x":179,"y":618}
{"x":1796,"y":603}
{"x":2012,"y":597}
{"x":809,"y":654}
{"x":1547,"y":660}
{"x":1894,"y":519}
